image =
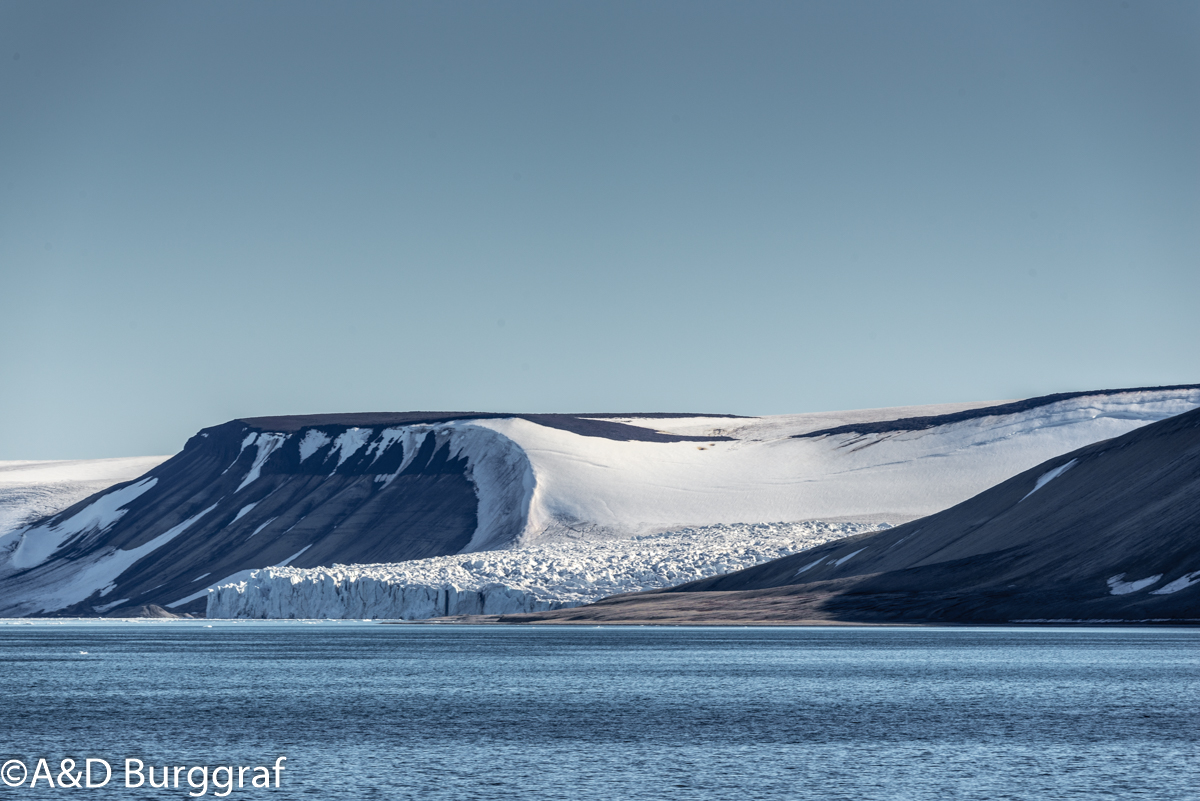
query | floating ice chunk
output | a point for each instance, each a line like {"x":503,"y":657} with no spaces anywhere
{"x":313,"y":441}
{"x":1119,"y":587}
{"x":1181,"y":583}
{"x":267,"y":444}
{"x":1049,"y":476}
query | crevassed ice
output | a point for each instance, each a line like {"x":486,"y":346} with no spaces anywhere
{"x":241,"y":576}
{"x":549,"y":576}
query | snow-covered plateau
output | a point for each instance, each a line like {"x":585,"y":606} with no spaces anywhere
{"x":553,"y":576}
{"x":387,"y":488}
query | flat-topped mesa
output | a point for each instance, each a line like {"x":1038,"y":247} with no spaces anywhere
{"x":301,"y":490}
{"x":238,"y":497}
{"x":605,"y":426}
{"x":384,"y":488}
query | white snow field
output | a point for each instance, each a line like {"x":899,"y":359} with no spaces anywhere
{"x":552,"y":576}
{"x":32,"y":490}
{"x":543,"y":487}
{"x":593,"y":487}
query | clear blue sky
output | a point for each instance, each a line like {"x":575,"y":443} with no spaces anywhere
{"x":212,"y":210}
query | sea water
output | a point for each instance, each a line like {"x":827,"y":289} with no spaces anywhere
{"x":364,"y":710}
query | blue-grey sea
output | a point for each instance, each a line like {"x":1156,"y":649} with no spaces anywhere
{"x":366,"y":710}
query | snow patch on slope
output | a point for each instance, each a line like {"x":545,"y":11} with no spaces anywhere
{"x":33,"y":490}
{"x":267,"y":443}
{"x":1118,"y":587}
{"x":1181,"y":583}
{"x":847,"y":558}
{"x":557,"y":575}
{"x":245,"y":510}
{"x":313,"y":441}
{"x":98,"y":571}
{"x":240,"y":576}
{"x":1048,"y":476}
{"x":38,"y":544}
{"x":349,"y":442}
{"x":504,"y":484}
{"x":410,"y":439}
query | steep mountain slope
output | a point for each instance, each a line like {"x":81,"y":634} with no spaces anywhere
{"x":31,"y":490}
{"x":386,"y":488}
{"x":1109,"y":532}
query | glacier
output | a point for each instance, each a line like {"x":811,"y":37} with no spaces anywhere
{"x":557,"y":575}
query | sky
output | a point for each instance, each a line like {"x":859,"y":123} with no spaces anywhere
{"x":212,"y":210}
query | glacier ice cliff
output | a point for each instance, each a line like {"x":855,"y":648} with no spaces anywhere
{"x":535,"y":579}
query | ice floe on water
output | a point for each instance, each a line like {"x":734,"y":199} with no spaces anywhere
{"x":549,"y":576}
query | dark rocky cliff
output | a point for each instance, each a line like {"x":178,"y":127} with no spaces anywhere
{"x":313,"y":511}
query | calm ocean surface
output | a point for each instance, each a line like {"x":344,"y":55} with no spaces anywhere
{"x":379,"y":711}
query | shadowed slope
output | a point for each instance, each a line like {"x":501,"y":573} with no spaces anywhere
{"x":1110,"y":532}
